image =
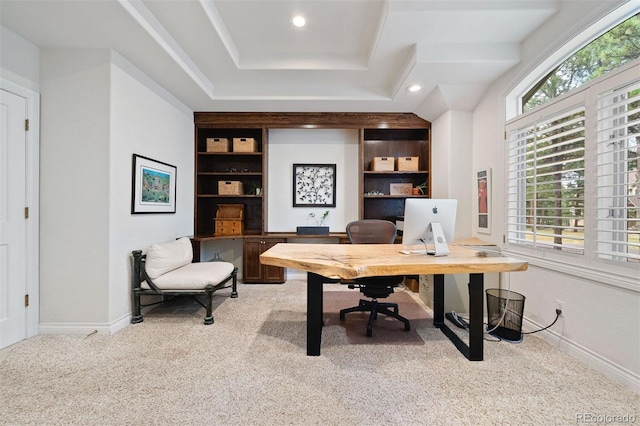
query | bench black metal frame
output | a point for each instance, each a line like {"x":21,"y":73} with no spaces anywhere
{"x":140,"y":275}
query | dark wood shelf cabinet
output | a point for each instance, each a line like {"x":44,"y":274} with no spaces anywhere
{"x":411,"y":140}
{"x":381,"y":135}
{"x":214,"y":167}
{"x":255,"y":272}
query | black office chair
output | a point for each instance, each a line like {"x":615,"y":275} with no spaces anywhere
{"x":374,"y":231}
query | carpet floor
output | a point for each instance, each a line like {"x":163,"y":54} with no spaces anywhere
{"x":250,"y":368}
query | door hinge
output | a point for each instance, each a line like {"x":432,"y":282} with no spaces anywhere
{"x":26,"y":125}
{"x":505,"y":135}
{"x":26,"y":212}
{"x":26,"y":300}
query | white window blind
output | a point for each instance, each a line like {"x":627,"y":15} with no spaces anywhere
{"x":545,"y":187}
{"x":618,"y":175}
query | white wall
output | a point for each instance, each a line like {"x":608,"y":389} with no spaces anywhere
{"x":96,"y":112}
{"x":451,"y":165}
{"x":146,"y":121}
{"x":74,"y":187}
{"x":315,"y":146}
{"x":19,"y":61}
{"x":600,"y":322}
{"x":453,"y":177}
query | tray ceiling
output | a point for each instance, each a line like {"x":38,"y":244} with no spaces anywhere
{"x":245,"y":55}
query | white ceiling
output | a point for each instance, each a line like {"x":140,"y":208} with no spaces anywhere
{"x":244,"y":55}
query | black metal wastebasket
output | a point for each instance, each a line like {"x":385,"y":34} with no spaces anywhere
{"x":504,"y":314}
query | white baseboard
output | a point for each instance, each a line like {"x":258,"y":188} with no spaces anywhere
{"x":598,"y":362}
{"x":85,"y":329}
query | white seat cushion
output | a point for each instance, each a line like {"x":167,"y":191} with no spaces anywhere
{"x":194,"y":276}
{"x":162,"y":258}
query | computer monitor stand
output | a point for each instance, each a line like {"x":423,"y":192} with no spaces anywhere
{"x":439,"y":241}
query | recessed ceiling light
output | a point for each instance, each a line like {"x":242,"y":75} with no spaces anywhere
{"x":414,"y":88}
{"x":298,"y":21}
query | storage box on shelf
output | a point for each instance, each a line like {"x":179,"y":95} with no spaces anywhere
{"x":218,"y":145}
{"x":383,"y":164}
{"x":229,"y":220}
{"x":230,"y":187}
{"x":407,"y":164}
{"x":245,"y":145}
{"x":400,"y":189}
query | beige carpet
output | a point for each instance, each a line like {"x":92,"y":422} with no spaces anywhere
{"x":250,"y":368}
{"x":386,"y":330}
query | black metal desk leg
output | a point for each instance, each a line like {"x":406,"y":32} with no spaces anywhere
{"x":314,"y":313}
{"x":476,"y":308}
{"x":438,"y":300}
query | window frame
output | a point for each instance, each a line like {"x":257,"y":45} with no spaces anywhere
{"x":587,"y":265}
{"x":614,"y":14}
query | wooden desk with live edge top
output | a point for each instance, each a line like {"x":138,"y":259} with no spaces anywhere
{"x":332,"y":262}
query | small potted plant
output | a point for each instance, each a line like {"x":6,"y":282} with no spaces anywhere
{"x":420,"y":189}
{"x":318,"y":229}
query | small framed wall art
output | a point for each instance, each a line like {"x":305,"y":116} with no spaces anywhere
{"x":154,"y":186}
{"x":314,"y":185}
{"x":483,"y":187}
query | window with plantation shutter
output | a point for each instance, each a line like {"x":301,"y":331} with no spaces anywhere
{"x":573,"y":180}
{"x":618,"y":174}
{"x":545,"y":188}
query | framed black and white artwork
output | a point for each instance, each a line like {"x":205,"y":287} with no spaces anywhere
{"x":314,"y":185}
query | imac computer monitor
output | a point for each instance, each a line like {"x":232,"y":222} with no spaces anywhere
{"x":419,"y":216}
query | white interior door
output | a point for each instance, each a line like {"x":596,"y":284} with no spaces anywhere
{"x":13,"y":281}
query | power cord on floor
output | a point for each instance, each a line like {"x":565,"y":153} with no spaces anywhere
{"x":558,"y":313}
{"x":462,"y":322}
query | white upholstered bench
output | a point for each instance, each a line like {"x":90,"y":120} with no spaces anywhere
{"x":167,"y":270}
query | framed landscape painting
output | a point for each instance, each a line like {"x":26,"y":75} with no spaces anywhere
{"x":154,"y":186}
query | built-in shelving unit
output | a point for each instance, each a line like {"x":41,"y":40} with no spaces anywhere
{"x":393,"y":142}
{"x":211,"y":168}
{"x":381,"y":135}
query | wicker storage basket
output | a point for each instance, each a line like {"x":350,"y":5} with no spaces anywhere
{"x":382,"y":164}
{"x":229,"y":220}
{"x":218,"y":145}
{"x":245,"y":145}
{"x":230,"y":187}
{"x":407,"y":164}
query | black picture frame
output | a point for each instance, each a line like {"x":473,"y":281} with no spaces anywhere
{"x":153,"y":186}
{"x":314,"y":185}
